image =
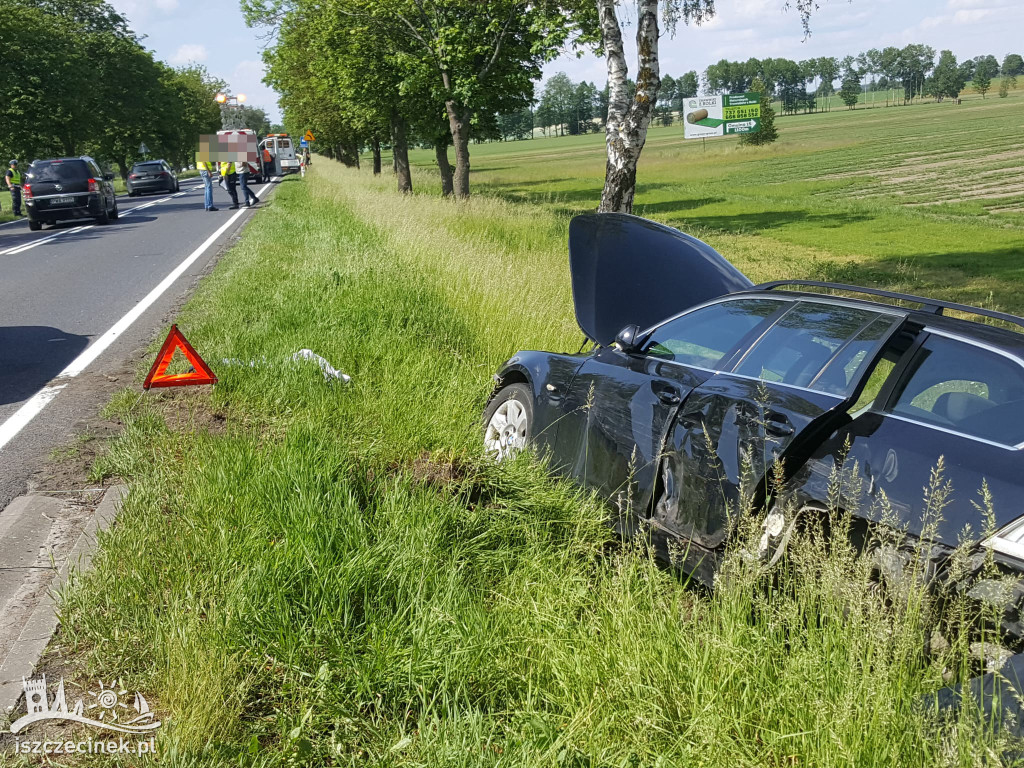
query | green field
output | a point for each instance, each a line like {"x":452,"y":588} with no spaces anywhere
{"x":927,"y":198}
{"x":307,"y":573}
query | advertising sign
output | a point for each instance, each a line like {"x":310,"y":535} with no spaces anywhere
{"x":707,"y":116}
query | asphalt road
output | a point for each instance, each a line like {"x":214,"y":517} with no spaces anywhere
{"x":80,"y":288}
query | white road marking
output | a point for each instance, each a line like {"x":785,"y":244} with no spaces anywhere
{"x":26,"y":246}
{"x":21,"y":417}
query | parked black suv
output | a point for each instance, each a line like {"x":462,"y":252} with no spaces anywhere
{"x":68,"y":188}
{"x":152,"y":176}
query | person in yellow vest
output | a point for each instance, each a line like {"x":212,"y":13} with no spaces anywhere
{"x":229,"y":176}
{"x":13,"y":179}
{"x":206,"y":169}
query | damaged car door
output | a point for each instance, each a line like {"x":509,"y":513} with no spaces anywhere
{"x":620,"y":402}
{"x":774,"y":400}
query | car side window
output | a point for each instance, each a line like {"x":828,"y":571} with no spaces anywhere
{"x":704,"y":337}
{"x":963,"y":387}
{"x":797,"y":349}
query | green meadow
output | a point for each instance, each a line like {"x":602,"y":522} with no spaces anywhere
{"x":312,"y":573}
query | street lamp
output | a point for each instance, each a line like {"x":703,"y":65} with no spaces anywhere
{"x":230,"y":108}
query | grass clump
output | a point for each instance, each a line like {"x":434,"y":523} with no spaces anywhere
{"x":335,"y":576}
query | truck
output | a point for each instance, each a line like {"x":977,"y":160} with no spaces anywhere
{"x":277,"y":152}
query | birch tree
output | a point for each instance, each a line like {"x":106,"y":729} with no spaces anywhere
{"x":629,"y":116}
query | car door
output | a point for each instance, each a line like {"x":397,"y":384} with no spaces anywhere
{"x":618,"y":406}
{"x":955,"y":399}
{"x":773,"y":401}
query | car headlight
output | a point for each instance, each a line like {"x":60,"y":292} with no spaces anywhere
{"x":1008,"y":540}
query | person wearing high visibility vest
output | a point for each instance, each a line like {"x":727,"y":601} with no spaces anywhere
{"x":244,"y":169}
{"x":229,"y":176}
{"x":13,"y":179}
{"x":206,"y":169}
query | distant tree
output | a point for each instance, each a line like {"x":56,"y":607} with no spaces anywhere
{"x":516,"y":125}
{"x":984,"y":70}
{"x":947,"y":79}
{"x":849,"y":91}
{"x":1004,"y":87}
{"x":768,"y":132}
{"x":584,"y":107}
{"x":686,"y":87}
{"x":255,"y":119}
{"x":1013,"y":65}
{"x":828,"y":71}
{"x":667,"y":99}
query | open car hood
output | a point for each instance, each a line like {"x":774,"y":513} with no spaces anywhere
{"x":631,"y":271}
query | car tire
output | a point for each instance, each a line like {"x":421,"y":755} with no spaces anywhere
{"x":35,"y":226}
{"x":131,"y":194}
{"x":508,"y":422}
{"x":114,"y":213}
{"x":103,"y":218}
{"x":177,"y":187}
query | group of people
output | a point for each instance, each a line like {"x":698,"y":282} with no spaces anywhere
{"x":13,"y":181}
{"x":231,"y":176}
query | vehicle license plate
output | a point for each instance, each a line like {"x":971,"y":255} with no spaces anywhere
{"x":65,"y":200}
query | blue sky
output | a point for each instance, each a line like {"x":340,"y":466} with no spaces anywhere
{"x":213,"y":33}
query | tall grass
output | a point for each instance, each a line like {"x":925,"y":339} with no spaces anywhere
{"x":306,"y":573}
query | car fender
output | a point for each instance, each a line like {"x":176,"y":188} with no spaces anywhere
{"x":548,"y":375}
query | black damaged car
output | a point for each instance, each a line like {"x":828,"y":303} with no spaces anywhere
{"x":696,"y":376}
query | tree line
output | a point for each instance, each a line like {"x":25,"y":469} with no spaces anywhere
{"x":902,"y":74}
{"x":74,"y":80}
{"x":386,"y":73}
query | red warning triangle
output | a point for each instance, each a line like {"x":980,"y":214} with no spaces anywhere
{"x":158,"y":376}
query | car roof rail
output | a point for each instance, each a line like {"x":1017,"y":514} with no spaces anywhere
{"x":933,"y":306}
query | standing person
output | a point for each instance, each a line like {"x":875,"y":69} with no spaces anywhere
{"x":206,"y":169}
{"x":245,"y":169}
{"x":13,"y":179}
{"x":229,"y":178}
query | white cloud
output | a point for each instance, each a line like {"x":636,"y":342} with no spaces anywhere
{"x":167,"y":5}
{"x":189,"y":52}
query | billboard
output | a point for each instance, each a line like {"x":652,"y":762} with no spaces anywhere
{"x":707,"y":116}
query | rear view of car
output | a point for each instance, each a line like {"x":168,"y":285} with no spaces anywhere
{"x":68,"y":188}
{"x":152,"y":176}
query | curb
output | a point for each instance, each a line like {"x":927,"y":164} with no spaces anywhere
{"x":38,"y":630}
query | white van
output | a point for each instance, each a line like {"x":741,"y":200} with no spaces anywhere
{"x":282,"y":152}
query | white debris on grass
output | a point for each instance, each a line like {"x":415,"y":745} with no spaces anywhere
{"x":330,"y":372}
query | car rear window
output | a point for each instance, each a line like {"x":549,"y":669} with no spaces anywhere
{"x":59,"y":170}
{"x":797,"y":349}
{"x":147,"y":167}
{"x":966,"y":388}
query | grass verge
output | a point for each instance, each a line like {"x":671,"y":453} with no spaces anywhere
{"x":307,"y":573}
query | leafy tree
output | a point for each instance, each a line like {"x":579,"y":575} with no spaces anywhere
{"x":686,"y":87}
{"x":849,"y":91}
{"x":768,"y":132}
{"x":1013,"y":65}
{"x":985,"y":69}
{"x":948,"y":79}
{"x":1004,"y":87}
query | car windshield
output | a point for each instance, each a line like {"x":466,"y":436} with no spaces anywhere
{"x":147,"y":168}
{"x":59,"y":170}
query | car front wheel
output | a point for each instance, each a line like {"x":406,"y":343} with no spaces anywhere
{"x":35,"y":226}
{"x":508,"y":422}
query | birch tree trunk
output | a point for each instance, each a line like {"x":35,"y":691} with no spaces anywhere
{"x":626,"y":127}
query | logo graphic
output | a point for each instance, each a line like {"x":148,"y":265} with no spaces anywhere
{"x":103,"y":708}
{"x":58,"y":187}
{"x":693,"y":102}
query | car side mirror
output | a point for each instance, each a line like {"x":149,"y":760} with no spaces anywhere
{"x":108,"y":177}
{"x":627,"y":339}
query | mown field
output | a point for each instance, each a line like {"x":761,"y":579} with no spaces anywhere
{"x":310,"y":573}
